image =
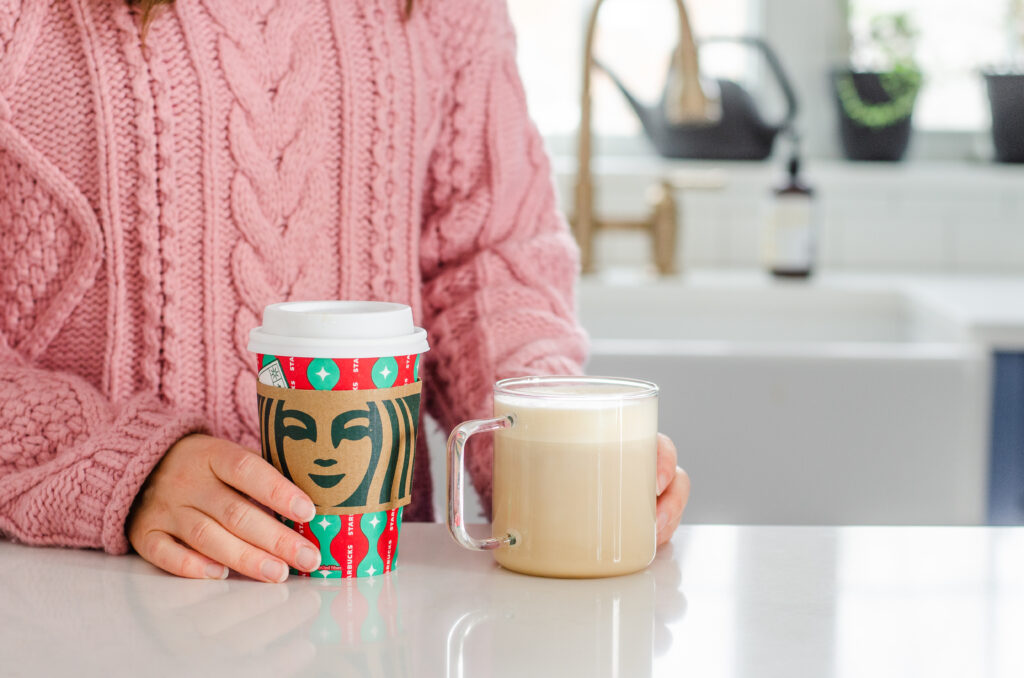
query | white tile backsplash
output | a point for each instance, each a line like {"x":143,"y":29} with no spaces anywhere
{"x":993,"y":245}
{"x":914,"y":216}
{"x":831,"y":241}
{"x":889,"y":242}
{"x":702,"y":238}
{"x":743,"y":238}
{"x":622,"y":248}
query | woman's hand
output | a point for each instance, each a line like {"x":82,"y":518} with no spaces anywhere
{"x":193,"y":515}
{"x":673,"y":489}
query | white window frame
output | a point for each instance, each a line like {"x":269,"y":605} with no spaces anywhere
{"x":810,"y":37}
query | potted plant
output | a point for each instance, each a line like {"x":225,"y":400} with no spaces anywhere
{"x":876,"y":101}
{"x":1006,"y":93}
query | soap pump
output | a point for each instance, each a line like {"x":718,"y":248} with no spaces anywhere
{"x":791,"y":225}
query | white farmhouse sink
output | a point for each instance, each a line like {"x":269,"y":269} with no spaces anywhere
{"x":805,"y":403}
{"x":776,"y":314}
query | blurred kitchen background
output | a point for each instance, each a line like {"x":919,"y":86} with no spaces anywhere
{"x":837,"y":328}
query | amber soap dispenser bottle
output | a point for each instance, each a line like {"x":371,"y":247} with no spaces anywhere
{"x":790,"y":240}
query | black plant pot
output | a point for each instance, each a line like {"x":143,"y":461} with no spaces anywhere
{"x":870,"y":143}
{"x":1006,"y":96}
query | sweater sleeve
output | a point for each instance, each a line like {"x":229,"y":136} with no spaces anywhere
{"x":498,"y":260}
{"x":71,"y":462}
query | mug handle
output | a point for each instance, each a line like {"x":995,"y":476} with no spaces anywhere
{"x":456,"y":472}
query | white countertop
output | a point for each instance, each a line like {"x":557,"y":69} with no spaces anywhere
{"x":719,"y":601}
{"x":991,"y":307}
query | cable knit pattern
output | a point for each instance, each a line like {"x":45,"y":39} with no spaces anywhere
{"x":178,"y":126}
{"x":153,"y":200}
{"x":20,"y":23}
{"x":38,"y":245}
{"x":275,"y":129}
{"x":379,"y":217}
{"x":70,"y":465}
{"x":145,"y":197}
{"x":508,"y":282}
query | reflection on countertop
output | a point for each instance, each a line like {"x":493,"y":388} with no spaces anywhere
{"x":719,"y":601}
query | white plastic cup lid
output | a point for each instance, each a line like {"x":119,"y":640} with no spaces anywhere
{"x":337,"y":329}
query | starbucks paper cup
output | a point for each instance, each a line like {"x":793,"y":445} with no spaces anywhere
{"x":338,"y":401}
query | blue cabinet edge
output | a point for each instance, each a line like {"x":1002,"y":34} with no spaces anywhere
{"x":1006,"y":469}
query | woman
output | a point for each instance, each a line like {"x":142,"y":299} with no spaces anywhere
{"x":158,"y":191}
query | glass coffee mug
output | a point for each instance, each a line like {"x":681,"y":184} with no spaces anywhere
{"x":574,"y":484}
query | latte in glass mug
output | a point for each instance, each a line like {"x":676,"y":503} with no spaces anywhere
{"x":574,"y":486}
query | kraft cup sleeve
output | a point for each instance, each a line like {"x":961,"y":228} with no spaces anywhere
{"x":350,"y":451}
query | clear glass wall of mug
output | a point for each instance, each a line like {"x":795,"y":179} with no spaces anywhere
{"x":574,"y":486}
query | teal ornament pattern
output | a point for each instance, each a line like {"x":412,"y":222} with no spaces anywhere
{"x":373,"y":626}
{"x":323,"y":374}
{"x":326,"y":528}
{"x":325,"y":629}
{"x":385,"y":372}
{"x":372,"y":526}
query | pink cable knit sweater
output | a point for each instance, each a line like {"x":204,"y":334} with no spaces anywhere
{"x":153,"y":200}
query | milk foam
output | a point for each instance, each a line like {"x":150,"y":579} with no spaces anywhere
{"x":578,"y":420}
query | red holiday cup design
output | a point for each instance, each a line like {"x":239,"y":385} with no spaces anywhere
{"x":387,"y":545}
{"x":354,"y":544}
{"x":347,"y":374}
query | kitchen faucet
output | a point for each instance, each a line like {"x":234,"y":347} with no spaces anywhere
{"x":686,"y":103}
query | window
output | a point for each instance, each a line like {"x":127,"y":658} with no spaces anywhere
{"x":956,"y":40}
{"x":635,"y":39}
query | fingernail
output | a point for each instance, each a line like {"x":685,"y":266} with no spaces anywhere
{"x":274,"y":570}
{"x":216,"y":571}
{"x":303,"y":509}
{"x":662,"y":520}
{"x":308,"y":559}
{"x":663,"y":480}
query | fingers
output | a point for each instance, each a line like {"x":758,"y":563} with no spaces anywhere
{"x":207,"y":536}
{"x":253,"y":476}
{"x":673,"y":489}
{"x":165,"y":552}
{"x":662,"y":639}
{"x":667,"y":461}
{"x":249,"y":523}
{"x":671,"y":504}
